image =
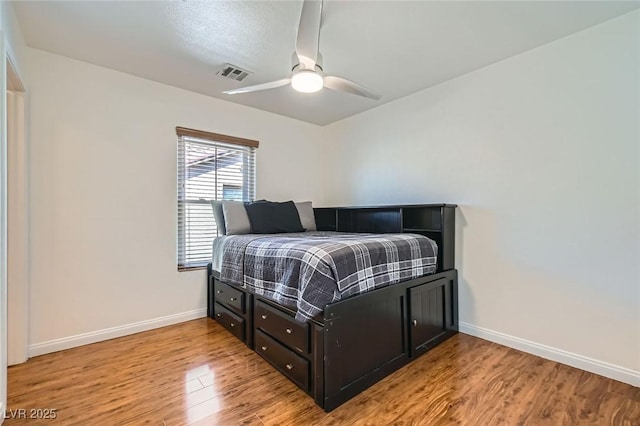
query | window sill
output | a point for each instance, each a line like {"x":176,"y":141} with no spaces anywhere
{"x":191,"y":268}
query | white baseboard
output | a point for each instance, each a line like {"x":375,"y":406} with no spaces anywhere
{"x":113,"y":332}
{"x":611,"y":371}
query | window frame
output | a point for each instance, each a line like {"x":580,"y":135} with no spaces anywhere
{"x":246,"y":147}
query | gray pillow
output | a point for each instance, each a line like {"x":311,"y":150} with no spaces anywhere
{"x":218,"y":215}
{"x":307,"y":218}
{"x":236,"y":221}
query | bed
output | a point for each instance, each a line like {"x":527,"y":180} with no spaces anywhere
{"x":335,"y":337}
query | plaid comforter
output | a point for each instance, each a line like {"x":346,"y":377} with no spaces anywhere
{"x":309,"y":270}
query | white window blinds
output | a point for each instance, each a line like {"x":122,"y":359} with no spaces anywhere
{"x":210,"y":167}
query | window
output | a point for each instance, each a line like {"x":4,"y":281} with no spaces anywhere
{"x":231,"y":192}
{"x":210,"y":167}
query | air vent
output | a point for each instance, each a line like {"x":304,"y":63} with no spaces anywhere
{"x":233,"y":72}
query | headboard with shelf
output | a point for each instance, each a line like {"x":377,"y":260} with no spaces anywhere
{"x":436,"y":221}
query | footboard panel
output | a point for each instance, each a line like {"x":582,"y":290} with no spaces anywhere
{"x":369,"y":336}
{"x":365,"y":340}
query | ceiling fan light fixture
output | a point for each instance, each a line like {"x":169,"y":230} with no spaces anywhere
{"x":307,"y":74}
{"x":307,"y":81}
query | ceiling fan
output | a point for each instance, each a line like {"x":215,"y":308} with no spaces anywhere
{"x":307,"y":75}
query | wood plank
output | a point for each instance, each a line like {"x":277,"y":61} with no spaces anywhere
{"x":197,"y":373}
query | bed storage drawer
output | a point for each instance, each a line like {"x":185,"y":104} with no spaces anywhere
{"x":230,"y":297}
{"x":281,"y":326}
{"x":230,"y":321}
{"x":291,"y":365}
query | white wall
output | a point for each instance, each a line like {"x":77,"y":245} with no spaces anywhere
{"x":12,"y":48}
{"x":3,"y":228}
{"x":103,"y":195}
{"x":541,"y":153}
{"x":14,"y":39}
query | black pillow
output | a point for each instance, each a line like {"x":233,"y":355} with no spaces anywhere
{"x":267,"y":217}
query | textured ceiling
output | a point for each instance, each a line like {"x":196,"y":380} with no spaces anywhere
{"x":396,"y":48}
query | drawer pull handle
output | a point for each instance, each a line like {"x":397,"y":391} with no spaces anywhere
{"x":264,"y":316}
{"x":233,"y":325}
{"x":219,"y":291}
{"x":264,"y":348}
{"x":218,"y":315}
{"x":415,"y":323}
{"x":289,"y":366}
{"x":233,"y":299}
{"x":289,"y":331}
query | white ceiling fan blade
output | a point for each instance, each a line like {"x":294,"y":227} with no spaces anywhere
{"x":343,"y":85}
{"x":258,"y":87}
{"x":308,"y":37}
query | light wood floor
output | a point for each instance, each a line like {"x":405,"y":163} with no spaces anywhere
{"x":197,"y":373}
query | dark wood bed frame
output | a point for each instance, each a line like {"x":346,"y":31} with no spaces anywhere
{"x":357,"y":341}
